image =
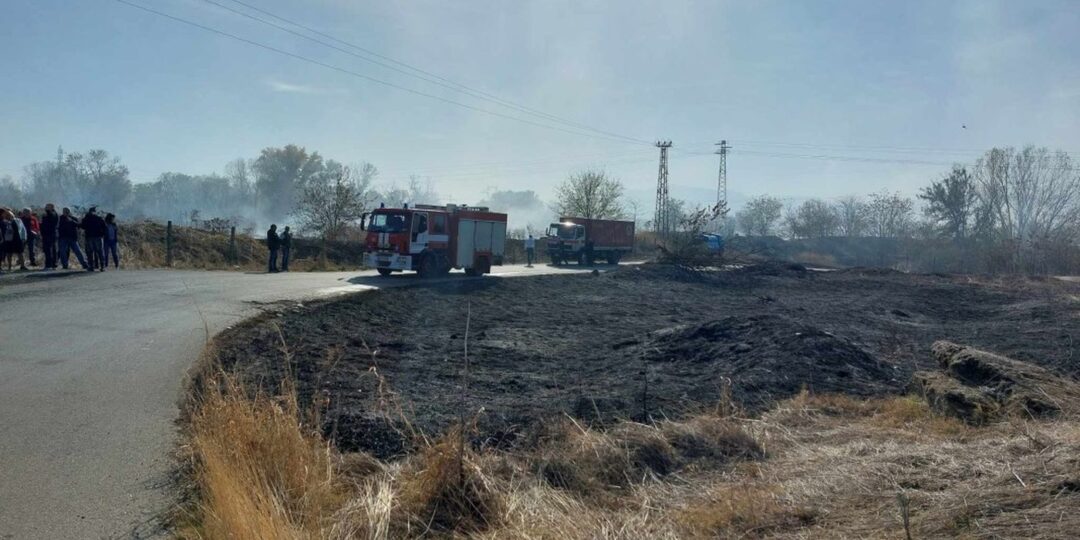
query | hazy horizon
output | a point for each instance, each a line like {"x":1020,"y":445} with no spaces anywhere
{"x":818,"y":99}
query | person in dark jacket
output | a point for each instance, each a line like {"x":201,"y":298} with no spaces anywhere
{"x":33,"y":232}
{"x":94,"y":228}
{"x":286,"y":246}
{"x":49,"y":223}
{"x":14,"y":238}
{"x":273,"y":243}
{"x":68,"y":235}
{"x":112,"y":239}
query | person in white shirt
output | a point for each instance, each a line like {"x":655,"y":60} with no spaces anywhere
{"x":530,"y":249}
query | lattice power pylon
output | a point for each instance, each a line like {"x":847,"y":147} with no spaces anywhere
{"x":662,"y":221}
{"x":721,"y":182}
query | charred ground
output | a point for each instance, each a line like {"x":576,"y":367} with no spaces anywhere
{"x":648,"y":340}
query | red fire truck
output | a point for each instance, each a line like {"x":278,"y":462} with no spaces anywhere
{"x":433,"y":239}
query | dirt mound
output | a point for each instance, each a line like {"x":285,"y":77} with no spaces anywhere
{"x":770,"y":357}
{"x":978,"y":386}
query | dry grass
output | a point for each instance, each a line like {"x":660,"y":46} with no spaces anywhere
{"x":814,"y":466}
{"x":260,"y":468}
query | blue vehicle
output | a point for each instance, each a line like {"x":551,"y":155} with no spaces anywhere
{"x":713,"y":242}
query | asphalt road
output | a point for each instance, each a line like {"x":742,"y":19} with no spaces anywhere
{"x":91,"y":370}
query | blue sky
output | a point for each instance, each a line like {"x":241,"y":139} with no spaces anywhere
{"x":889,"y":81}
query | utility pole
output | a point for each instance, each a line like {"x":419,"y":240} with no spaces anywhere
{"x":721,"y":181}
{"x":662,"y":221}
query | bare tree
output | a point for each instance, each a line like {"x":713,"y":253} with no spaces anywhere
{"x":890,"y":215}
{"x":813,"y":218}
{"x":1031,"y":194}
{"x":10,"y":194}
{"x":950,"y":203}
{"x":331,"y":201}
{"x":852,"y":216}
{"x":590,"y":194}
{"x":760,"y":215}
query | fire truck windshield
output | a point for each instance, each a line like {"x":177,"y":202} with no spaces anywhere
{"x":387,"y":223}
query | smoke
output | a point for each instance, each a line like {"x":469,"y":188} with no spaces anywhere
{"x":525,"y":211}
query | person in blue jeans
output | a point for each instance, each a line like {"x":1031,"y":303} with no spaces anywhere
{"x":112,"y":238}
{"x":68,"y":236}
{"x":94,"y":228}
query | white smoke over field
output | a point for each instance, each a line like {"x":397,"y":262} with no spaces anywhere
{"x":525,"y":210}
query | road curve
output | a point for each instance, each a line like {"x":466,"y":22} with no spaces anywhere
{"x":91,"y":367}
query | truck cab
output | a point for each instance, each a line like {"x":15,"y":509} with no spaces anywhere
{"x":566,"y":241}
{"x":585,"y":240}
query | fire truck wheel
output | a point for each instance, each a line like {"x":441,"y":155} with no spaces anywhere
{"x":385,"y":271}
{"x":427,"y":267}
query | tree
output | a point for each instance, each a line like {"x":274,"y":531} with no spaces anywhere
{"x":331,"y":200}
{"x":813,"y":218}
{"x":852,"y":216}
{"x":590,"y":194}
{"x":760,"y":215}
{"x":890,"y":215}
{"x":1030,"y":195}
{"x":10,"y":194}
{"x":93,"y":178}
{"x":281,"y":175}
{"x":419,"y":191}
{"x":950,"y":202}
{"x":677,"y":214}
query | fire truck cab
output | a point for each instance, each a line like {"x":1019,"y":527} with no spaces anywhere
{"x":434,"y":239}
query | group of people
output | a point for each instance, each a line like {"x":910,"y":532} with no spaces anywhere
{"x":58,"y":235}
{"x":276,"y":243}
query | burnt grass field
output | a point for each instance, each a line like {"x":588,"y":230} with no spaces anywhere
{"x":642,"y":342}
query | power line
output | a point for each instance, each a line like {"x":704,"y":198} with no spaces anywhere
{"x":409,"y":70}
{"x":898,"y":149}
{"x":514,"y":163}
{"x":520,"y":170}
{"x":357,"y":74}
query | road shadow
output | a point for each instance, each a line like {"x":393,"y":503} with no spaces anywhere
{"x":452,"y":284}
{"x":41,"y":274}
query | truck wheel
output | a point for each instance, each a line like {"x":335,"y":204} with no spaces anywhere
{"x":385,"y":271}
{"x":471,"y":272}
{"x":613,"y":257}
{"x":427,"y":267}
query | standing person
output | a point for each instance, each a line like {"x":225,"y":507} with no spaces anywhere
{"x":272,"y":243}
{"x":530,"y":250}
{"x":68,"y":235}
{"x":94,"y":228}
{"x":33,"y":231}
{"x":49,"y":224}
{"x":112,"y":238}
{"x":286,"y":246}
{"x":8,"y":234}
{"x":14,"y":238}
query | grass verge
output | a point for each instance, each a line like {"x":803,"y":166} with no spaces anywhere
{"x":813,"y":466}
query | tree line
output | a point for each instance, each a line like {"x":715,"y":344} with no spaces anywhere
{"x":1015,"y":210}
{"x":280,"y":184}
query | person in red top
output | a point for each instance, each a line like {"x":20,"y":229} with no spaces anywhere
{"x":33,"y":232}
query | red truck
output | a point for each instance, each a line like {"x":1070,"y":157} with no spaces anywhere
{"x":588,"y":240}
{"x":433,"y":239}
